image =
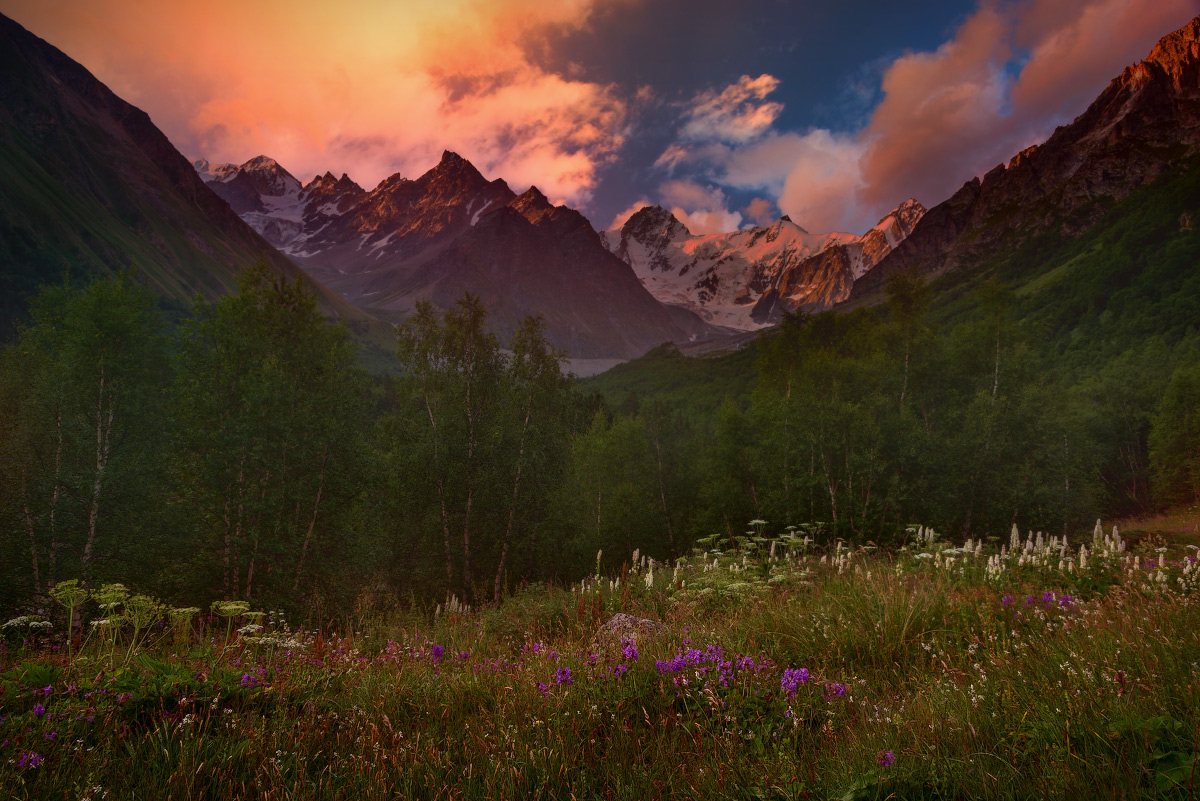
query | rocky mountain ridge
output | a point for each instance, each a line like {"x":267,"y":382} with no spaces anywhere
{"x":451,"y":231}
{"x":745,"y":279}
{"x":1144,"y":124}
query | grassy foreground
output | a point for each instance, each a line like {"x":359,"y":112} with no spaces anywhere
{"x":786,"y":670}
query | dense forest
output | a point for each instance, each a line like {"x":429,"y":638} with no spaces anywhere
{"x":240,"y":451}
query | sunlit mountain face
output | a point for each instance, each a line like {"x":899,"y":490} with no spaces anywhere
{"x":727,"y":117}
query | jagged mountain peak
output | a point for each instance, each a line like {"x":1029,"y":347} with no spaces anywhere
{"x":455,"y":165}
{"x":906,"y":214}
{"x":328,"y":184}
{"x":391,"y":182}
{"x":784,"y":223}
{"x":743,"y":279}
{"x":654,"y":222}
{"x":1178,"y":54}
{"x":535,"y":195}
{"x":532,"y":204}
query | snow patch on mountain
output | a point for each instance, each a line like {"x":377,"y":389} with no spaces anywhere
{"x":723,"y":277}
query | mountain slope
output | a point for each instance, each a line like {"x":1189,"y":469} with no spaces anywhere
{"x":451,"y":231}
{"x":746,"y":278}
{"x":531,"y":257}
{"x":1145,"y":124}
{"x":91,"y":185}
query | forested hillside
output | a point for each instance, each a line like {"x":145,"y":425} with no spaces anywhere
{"x":243,"y":453}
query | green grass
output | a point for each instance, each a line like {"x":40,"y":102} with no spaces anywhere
{"x":984,"y":677}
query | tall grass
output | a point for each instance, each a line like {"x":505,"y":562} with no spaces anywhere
{"x":793,"y":672}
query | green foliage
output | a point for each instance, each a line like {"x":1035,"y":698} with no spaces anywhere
{"x":81,"y":393}
{"x":1175,"y":439}
{"x":269,"y":406}
{"x":473,"y":449}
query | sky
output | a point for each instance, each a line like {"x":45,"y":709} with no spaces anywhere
{"x":728,"y":113}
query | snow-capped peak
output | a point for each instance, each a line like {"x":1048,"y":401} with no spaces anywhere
{"x":723,"y":276}
{"x":214,"y":172}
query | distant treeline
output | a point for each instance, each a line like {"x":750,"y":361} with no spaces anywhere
{"x":243,"y":453}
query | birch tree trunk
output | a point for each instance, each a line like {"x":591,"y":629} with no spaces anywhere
{"x":312,"y":523}
{"x":512,"y":505}
{"x":104,"y":424}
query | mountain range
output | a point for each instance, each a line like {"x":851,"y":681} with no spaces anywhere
{"x":386,"y":248}
{"x":451,"y":231}
{"x":91,"y":186}
{"x":745,"y":278}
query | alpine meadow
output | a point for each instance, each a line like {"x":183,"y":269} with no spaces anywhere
{"x":388,"y":487}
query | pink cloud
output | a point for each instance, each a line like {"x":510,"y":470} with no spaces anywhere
{"x":956,"y":112}
{"x":1009,"y":74}
{"x":701,"y":208}
{"x":761,"y":211}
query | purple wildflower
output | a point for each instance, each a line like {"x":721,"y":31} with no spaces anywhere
{"x":793,"y":678}
{"x":885,"y":759}
{"x":671,"y":665}
{"x":563,"y":676}
{"x":1007,"y":600}
{"x":834,"y":690}
{"x":38,"y":710}
{"x":630,"y":650}
{"x":437,"y":652}
{"x":620,"y":670}
{"x":29,"y":759}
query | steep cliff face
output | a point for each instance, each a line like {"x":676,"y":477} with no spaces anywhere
{"x":1144,"y":124}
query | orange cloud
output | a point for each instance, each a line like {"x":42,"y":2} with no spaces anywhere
{"x":384,"y":89}
{"x":738,"y":113}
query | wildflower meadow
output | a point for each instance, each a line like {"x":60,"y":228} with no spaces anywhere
{"x":1046,"y":667}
